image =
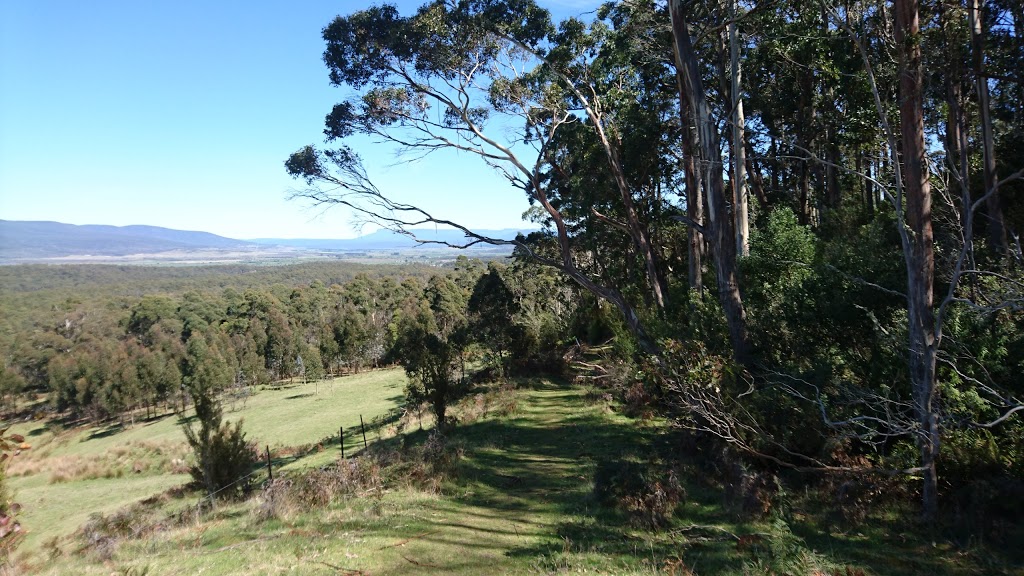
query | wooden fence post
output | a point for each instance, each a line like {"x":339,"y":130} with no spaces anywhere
{"x":363,"y":426}
{"x":341,"y":440}
{"x":270,"y":470}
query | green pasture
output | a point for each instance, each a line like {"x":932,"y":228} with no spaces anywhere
{"x":134,"y":462}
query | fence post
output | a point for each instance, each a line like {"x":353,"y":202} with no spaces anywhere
{"x":363,"y":426}
{"x":341,"y":440}
{"x":270,"y":470}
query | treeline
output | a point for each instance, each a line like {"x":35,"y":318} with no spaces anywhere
{"x":149,"y":352}
{"x":135,"y":280}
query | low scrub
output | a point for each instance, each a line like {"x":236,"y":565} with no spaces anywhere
{"x":647,"y":495}
{"x":285,"y":497}
{"x":498,"y":401}
{"x":423,"y":466}
{"x":224,"y":458}
{"x":102,"y":534}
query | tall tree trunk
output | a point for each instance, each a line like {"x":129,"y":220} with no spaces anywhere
{"x":833,"y":197}
{"x":637,"y":231}
{"x":566,"y":264}
{"x":921,"y":261}
{"x":805,"y":141}
{"x":831,"y":145}
{"x":996,"y":227}
{"x":739,"y":153}
{"x":694,"y":195}
{"x":872,"y":170}
{"x":956,"y":145}
{"x":723,"y":246}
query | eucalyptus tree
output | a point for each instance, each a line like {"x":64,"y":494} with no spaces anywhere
{"x":456,"y":76}
{"x":492,"y":309}
{"x":995,"y":224}
{"x":706,"y":147}
{"x":429,"y":345}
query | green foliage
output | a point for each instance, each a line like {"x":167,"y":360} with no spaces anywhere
{"x":224,"y":458}
{"x":493,"y":311}
{"x":430,"y":360}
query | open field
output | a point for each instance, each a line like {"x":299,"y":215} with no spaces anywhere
{"x":521,"y":501}
{"x":68,"y":475}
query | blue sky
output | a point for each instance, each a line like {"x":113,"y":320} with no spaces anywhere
{"x":181,"y":114}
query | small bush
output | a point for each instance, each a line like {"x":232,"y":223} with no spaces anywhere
{"x":648,"y":496}
{"x":424,"y":466}
{"x":500,"y":401}
{"x":102,"y":534}
{"x":224,"y":458}
{"x":11,"y":534}
{"x":285,"y":497}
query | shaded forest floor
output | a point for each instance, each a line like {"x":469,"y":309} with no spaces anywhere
{"x":520,"y":501}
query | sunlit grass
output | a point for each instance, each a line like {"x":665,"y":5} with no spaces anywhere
{"x":68,"y":475}
{"x":521,"y":502}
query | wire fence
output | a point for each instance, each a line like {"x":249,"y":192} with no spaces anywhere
{"x":375,"y":423}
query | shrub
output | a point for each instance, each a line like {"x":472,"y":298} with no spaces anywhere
{"x":224,"y":458}
{"x":425,"y":466}
{"x":103,"y":533}
{"x":11,"y":534}
{"x":648,"y":496}
{"x":318,"y":488}
{"x":753,"y":493}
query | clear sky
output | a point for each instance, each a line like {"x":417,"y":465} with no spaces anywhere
{"x":181,"y":114}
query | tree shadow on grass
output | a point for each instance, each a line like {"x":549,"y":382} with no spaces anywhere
{"x":297,"y":396}
{"x":542,"y":461}
{"x":105,"y":432}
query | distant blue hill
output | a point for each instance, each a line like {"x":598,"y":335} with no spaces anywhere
{"x":386,"y":239}
{"x":28,"y":239}
{"x":32,"y":240}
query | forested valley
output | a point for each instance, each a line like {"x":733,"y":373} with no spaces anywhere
{"x":781,"y":238}
{"x":96,"y":353}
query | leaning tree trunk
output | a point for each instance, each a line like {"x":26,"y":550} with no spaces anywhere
{"x":921,"y":263}
{"x":723,"y":246}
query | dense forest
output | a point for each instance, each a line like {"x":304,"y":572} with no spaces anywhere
{"x":804,"y":215}
{"x":133,"y":339}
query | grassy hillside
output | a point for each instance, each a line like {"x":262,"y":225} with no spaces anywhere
{"x":519,"y":499}
{"x":68,"y":475}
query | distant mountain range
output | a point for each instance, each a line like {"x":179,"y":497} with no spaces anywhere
{"x":31,"y":240}
{"x":22,"y":241}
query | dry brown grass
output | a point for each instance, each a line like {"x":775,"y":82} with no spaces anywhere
{"x":286,"y":497}
{"x":136,"y":457}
